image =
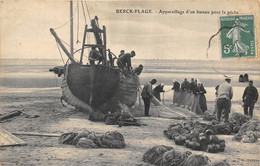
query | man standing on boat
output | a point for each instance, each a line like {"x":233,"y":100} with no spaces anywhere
{"x":225,"y":94}
{"x":94,"y":55}
{"x":122,"y":52}
{"x":250,"y":97}
{"x":125,"y":60}
{"x":147,"y":96}
{"x":138,"y":70}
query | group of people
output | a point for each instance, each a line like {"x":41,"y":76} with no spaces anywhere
{"x":194,"y":92}
{"x":190,"y":94}
{"x":185,"y":93}
{"x":225,"y":94}
{"x":123,"y":59}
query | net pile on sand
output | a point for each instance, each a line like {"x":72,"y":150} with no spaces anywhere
{"x":161,"y":155}
{"x":249,"y":132}
{"x":87,"y":139}
{"x":196,"y":136}
{"x":124,"y":118}
{"x":238,"y":120}
{"x":165,"y":155}
{"x":196,"y":160}
{"x":208,"y":116}
{"x":219,"y":163}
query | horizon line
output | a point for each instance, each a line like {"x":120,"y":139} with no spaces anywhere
{"x":132,"y":59}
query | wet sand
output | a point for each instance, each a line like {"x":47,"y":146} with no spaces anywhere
{"x":53,"y":118}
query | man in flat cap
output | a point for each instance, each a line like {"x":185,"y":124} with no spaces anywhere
{"x":225,"y":94}
{"x":250,"y":97}
{"x":124,"y":61}
{"x":147,"y":95}
{"x":122,"y":52}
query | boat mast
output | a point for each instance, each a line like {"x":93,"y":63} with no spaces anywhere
{"x":71,"y":28}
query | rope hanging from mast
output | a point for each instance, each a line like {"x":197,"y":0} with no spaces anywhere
{"x":83,"y":10}
{"x":67,"y":21}
{"x":88,"y":11}
{"x":60,"y":52}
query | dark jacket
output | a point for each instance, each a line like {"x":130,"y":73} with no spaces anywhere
{"x":94,"y":55}
{"x":202,"y":101}
{"x":147,"y":91}
{"x":185,"y":86}
{"x":125,"y":60}
{"x":250,"y":95}
{"x":192,"y":86}
{"x":157,"y":90}
{"x":138,"y":70}
{"x":199,"y":90}
{"x":176,"y":86}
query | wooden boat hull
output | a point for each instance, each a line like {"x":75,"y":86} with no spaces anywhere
{"x":99,"y":88}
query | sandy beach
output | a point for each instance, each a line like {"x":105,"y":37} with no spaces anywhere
{"x":43,"y":98}
{"x":53,"y":118}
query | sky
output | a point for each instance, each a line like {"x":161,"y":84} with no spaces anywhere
{"x":25,"y":26}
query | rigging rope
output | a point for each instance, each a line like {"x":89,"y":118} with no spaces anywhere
{"x":88,"y":11}
{"x":60,"y":52}
{"x":67,"y":21}
{"x":83,"y":12}
{"x":66,"y":43}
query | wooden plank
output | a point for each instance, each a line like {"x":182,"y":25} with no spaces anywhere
{"x":10,"y":115}
{"x":37,"y":134}
{"x":7,"y":139}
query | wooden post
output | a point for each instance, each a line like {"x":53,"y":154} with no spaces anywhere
{"x":10,"y":115}
{"x":71,"y":28}
{"x":105,"y":45}
{"x":62,"y":46}
{"x":83,"y":44}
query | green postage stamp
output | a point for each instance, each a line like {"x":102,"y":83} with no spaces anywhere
{"x":237,"y":36}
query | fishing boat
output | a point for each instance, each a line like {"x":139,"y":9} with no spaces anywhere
{"x":95,"y":88}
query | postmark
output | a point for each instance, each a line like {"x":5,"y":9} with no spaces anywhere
{"x":237,"y":36}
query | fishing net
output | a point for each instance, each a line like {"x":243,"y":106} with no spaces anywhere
{"x":86,"y":143}
{"x":126,"y":115}
{"x":111,"y":121}
{"x":219,"y":163}
{"x":199,"y":136}
{"x":165,"y":155}
{"x":208,"y":116}
{"x":248,"y":132}
{"x":151,"y":155}
{"x":225,"y":128}
{"x":196,"y":160}
{"x":239,"y":119}
{"x":124,"y":118}
{"x":249,"y":137}
{"x":67,"y":138}
{"x":173,"y":131}
{"x":174,"y":158}
{"x":108,"y":140}
{"x":85,"y":133}
{"x":250,"y":126}
{"x":112,"y":140}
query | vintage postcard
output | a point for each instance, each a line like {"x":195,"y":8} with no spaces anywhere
{"x":129,"y":82}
